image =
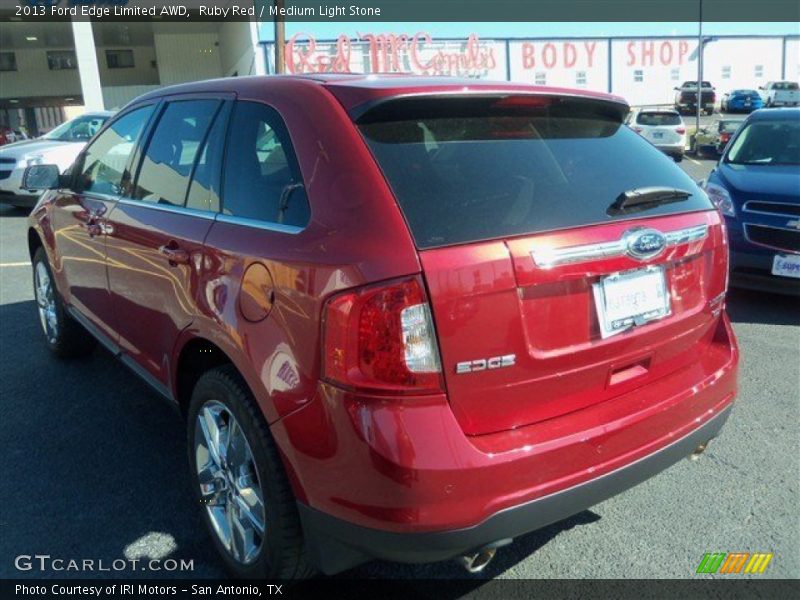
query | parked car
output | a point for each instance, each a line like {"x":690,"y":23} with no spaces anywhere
{"x":405,"y":318}
{"x":713,"y":138}
{"x":780,"y":93}
{"x":741,"y":101}
{"x":7,"y":135}
{"x":686,"y":97}
{"x":662,"y":128}
{"x":757,"y":188}
{"x":58,"y":147}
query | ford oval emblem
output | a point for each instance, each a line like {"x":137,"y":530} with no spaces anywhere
{"x":642,"y":244}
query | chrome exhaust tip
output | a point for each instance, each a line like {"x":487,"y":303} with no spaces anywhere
{"x":698,"y":451}
{"x":475,"y":563}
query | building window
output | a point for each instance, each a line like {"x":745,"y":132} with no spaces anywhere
{"x":580,"y":78}
{"x":540,"y":78}
{"x":8,"y":61}
{"x":675,"y":74}
{"x":638,"y":75}
{"x":61,"y":59}
{"x":726,"y":72}
{"x":119,"y":59}
{"x":758,"y":71}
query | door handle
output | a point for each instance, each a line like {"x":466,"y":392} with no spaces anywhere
{"x":174,"y":254}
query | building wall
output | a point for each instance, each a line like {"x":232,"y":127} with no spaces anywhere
{"x":33,"y":78}
{"x":187,"y":57}
{"x":645,"y":71}
{"x":562,"y":63}
{"x":236,"y":49}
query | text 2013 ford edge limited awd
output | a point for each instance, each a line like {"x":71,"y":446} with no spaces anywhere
{"x":408,"y":319}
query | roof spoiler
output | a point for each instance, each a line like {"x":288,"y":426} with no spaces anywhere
{"x":451,"y":104}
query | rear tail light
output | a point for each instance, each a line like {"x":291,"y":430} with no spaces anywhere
{"x":680,"y":130}
{"x":637,"y":129}
{"x":381,"y":338}
{"x":724,"y":137}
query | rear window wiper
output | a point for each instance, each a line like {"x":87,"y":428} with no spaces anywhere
{"x":646,"y":197}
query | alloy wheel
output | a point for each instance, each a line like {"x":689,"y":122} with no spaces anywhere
{"x":229,"y":484}
{"x":46,"y":302}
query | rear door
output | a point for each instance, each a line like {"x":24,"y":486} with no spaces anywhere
{"x":155,"y":242}
{"x":546,"y":298}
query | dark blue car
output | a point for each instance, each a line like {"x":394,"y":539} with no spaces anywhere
{"x":741,"y":101}
{"x":756,"y":185}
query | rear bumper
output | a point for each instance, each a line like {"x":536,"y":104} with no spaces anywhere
{"x":335,"y":544}
{"x":399,"y":479}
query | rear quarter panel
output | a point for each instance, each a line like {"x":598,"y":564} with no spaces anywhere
{"x":356,"y":236}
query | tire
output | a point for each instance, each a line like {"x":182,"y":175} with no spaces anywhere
{"x":64,"y":336}
{"x":221,"y":396}
{"x":677,"y":157}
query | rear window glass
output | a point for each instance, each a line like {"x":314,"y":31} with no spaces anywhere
{"x":465,"y":170}
{"x":658,"y":118}
{"x":786,"y":85}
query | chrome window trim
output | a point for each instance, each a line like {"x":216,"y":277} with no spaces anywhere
{"x":778,"y":248}
{"x":553,"y":257}
{"x":259,"y":224}
{"x":181,"y":210}
{"x":772,"y":214}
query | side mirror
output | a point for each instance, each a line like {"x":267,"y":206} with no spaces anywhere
{"x":676,"y":88}
{"x":761,"y":87}
{"x":38,"y":178}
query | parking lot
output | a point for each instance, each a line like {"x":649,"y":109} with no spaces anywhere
{"x":95,"y":463}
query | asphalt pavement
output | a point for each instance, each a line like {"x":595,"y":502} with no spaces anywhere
{"x":95,"y":464}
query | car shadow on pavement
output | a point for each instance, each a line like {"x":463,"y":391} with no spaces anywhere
{"x":745,"y":306}
{"x":95,"y":462}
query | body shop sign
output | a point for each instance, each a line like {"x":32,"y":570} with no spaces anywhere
{"x":415,"y":53}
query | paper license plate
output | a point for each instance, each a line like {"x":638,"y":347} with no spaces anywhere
{"x":627,"y":299}
{"x":657,"y":135}
{"x":786,"y":265}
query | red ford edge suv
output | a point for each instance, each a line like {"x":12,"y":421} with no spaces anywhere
{"x":404,"y":318}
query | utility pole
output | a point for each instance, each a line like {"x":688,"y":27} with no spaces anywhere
{"x":699,"y":100}
{"x":280,"y":39}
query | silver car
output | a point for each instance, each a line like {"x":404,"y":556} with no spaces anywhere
{"x":60,"y":146}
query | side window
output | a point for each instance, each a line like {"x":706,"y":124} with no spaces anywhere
{"x":172,"y":150}
{"x":103,"y":164}
{"x":261,"y":179}
{"x":204,"y":188}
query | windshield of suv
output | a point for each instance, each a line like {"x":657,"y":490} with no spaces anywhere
{"x":79,"y":129}
{"x":656,"y":119}
{"x":465,"y":170}
{"x":767,"y":143}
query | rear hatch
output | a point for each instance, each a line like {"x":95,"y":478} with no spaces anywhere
{"x":549,"y":293}
{"x":660,"y":128}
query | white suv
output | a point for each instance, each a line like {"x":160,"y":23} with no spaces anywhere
{"x":59,"y":147}
{"x":662,"y":128}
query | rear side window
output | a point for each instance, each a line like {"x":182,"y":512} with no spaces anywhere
{"x":658,"y":119}
{"x":465,"y":170}
{"x":102,"y":168}
{"x":262,"y":179}
{"x":173,"y":150}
